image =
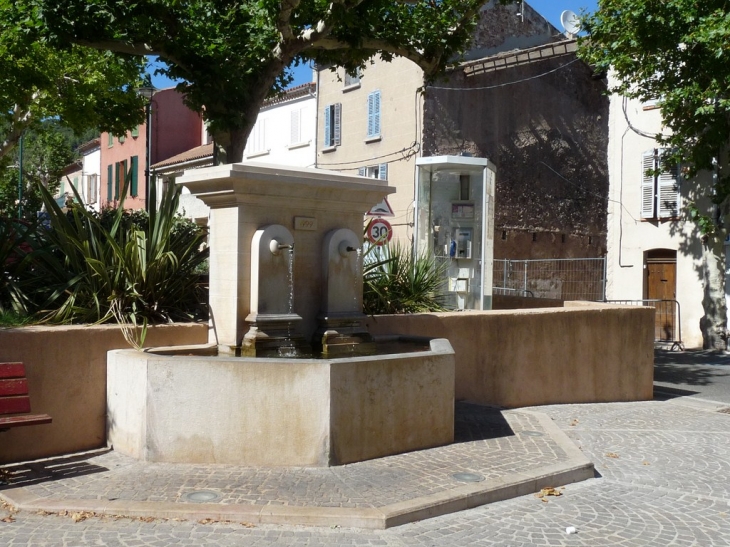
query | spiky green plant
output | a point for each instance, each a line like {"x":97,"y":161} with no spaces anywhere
{"x":395,"y":280}
{"x":98,"y":268}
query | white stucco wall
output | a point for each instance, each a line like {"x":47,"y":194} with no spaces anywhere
{"x":271,"y":138}
{"x":92,"y":166}
{"x":629,"y":236}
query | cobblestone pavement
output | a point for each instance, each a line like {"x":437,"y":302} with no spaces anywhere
{"x":488,"y":442}
{"x":665,"y":480}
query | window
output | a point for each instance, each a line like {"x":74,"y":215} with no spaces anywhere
{"x":374,"y":114}
{"x":120,"y":177}
{"x":332,"y":124}
{"x":91,"y":188}
{"x":257,"y":140}
{"x":135,"y":132}
{"x":659,"y":187}
{"x":374,"y":171}
{"x":122,"y":139}
{"x":353,"y":80}
{"x":110,"y":140}
{"x":296,"y":127}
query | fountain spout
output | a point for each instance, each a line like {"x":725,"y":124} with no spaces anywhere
{"x":345,"y":249}
{"x":275,"y":246}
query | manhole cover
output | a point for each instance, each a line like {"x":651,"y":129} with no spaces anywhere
{"x":468,"y":477}
{"x":202,"y":496}
{"x":531,"y":433}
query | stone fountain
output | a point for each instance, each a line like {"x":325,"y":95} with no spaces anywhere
{"x":285,"y":286}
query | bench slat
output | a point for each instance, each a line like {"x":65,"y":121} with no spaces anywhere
{"x":14,"y":405}
{"x":28,"y":419}
{"x":13,"y":386}
{"x":12,"y":370}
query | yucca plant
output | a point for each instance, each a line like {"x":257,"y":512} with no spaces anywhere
{"x":16,"y":246}
{"x":395,"y":280}
{"x":100,"y":268}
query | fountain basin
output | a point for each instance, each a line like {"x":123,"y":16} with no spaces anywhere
{"x":279,"y":412}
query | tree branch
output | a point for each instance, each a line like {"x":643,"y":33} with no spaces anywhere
{"x":331,"y":44}
{"x":20,"y":121}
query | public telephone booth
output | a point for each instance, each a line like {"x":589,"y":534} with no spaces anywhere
{"x":455,"y":223}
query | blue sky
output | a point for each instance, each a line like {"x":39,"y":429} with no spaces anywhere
{"x":550,"y":9}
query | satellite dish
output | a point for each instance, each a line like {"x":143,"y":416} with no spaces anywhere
{"x":570,"y":22}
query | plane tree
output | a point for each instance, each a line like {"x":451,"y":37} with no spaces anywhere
{"x":678,"y":52}
{"x":80,"y":87}
{"x":233,"y":54}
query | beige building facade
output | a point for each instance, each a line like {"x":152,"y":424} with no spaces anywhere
{"x":371,"y":125}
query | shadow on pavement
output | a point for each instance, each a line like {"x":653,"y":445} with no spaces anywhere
{"x":663,"y":393}
{"x":51,"y":469}
{"x":478,"y":423}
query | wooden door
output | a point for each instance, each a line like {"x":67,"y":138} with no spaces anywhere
{"x":662,"y":285}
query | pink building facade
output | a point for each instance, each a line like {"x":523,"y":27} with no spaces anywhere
{"x":175,"y":128}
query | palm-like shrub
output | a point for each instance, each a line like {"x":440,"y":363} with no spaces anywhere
{"x":118,"y":265}
{"x":16,"y":245}
{"x":395,"y":280}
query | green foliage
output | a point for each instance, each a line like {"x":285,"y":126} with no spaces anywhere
{"x":116,"y":266}
{"x":46,"y":151}
{"x":82,"y":87}
{"x":398,"y":281}
{"x":232,"y":54}
{"x":678,"y":52}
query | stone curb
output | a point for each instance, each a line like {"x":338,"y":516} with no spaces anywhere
{"x":576,"y":468}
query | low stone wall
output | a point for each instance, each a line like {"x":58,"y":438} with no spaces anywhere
{"x":581,"y":353}
{"x":66,"y":369}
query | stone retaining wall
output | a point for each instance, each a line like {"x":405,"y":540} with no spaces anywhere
{"x":582,"y":353}
{"x":66,"y":369}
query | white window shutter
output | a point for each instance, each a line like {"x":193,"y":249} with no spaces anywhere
{"x":337,"y":124}
{"x":296,"y":135}
{"x":647,"y":184}
{"x":668,"y":192}
{"x":383,"y":171}
{"x":328,"y":125}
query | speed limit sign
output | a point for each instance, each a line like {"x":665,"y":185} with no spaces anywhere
{"x":380,"y":232}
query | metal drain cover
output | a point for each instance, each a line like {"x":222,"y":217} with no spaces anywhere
{"x":468,"y":477}
{"x":201,"y":496}
{"x":531,"y":433}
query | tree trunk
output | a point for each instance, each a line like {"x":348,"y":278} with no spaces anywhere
{"x":714,"y":323}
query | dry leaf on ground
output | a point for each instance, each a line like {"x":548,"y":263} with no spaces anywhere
{"x":612,"y":455}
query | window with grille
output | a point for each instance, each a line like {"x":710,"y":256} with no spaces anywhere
{"x":375,"y":171}
{"x":659,"y":186}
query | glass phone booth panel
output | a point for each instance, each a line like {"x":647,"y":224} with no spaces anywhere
{"x":455,"y":223}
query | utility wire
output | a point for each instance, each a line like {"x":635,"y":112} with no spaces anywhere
{"x":406,"y":154}
{"x":506,"y":83}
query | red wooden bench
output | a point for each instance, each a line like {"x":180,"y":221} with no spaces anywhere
{"x":14,"y":400}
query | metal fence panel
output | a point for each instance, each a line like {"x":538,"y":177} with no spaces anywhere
{"x":562,"y":279}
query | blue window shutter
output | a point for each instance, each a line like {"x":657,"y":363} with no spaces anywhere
{"x":134,"y":168}
{"x":383,"y":171}
{"x":109,"y":183}
{"x":377,"y":113}
{"x":328,"y":125}
{"x":338,"y":124}
{"x":374,"y":114}
{"x":362,"y":171}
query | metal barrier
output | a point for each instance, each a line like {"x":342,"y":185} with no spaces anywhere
{"x":667,"y":320}
{"x":561,"y":279}
{"x":506,"y":291}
